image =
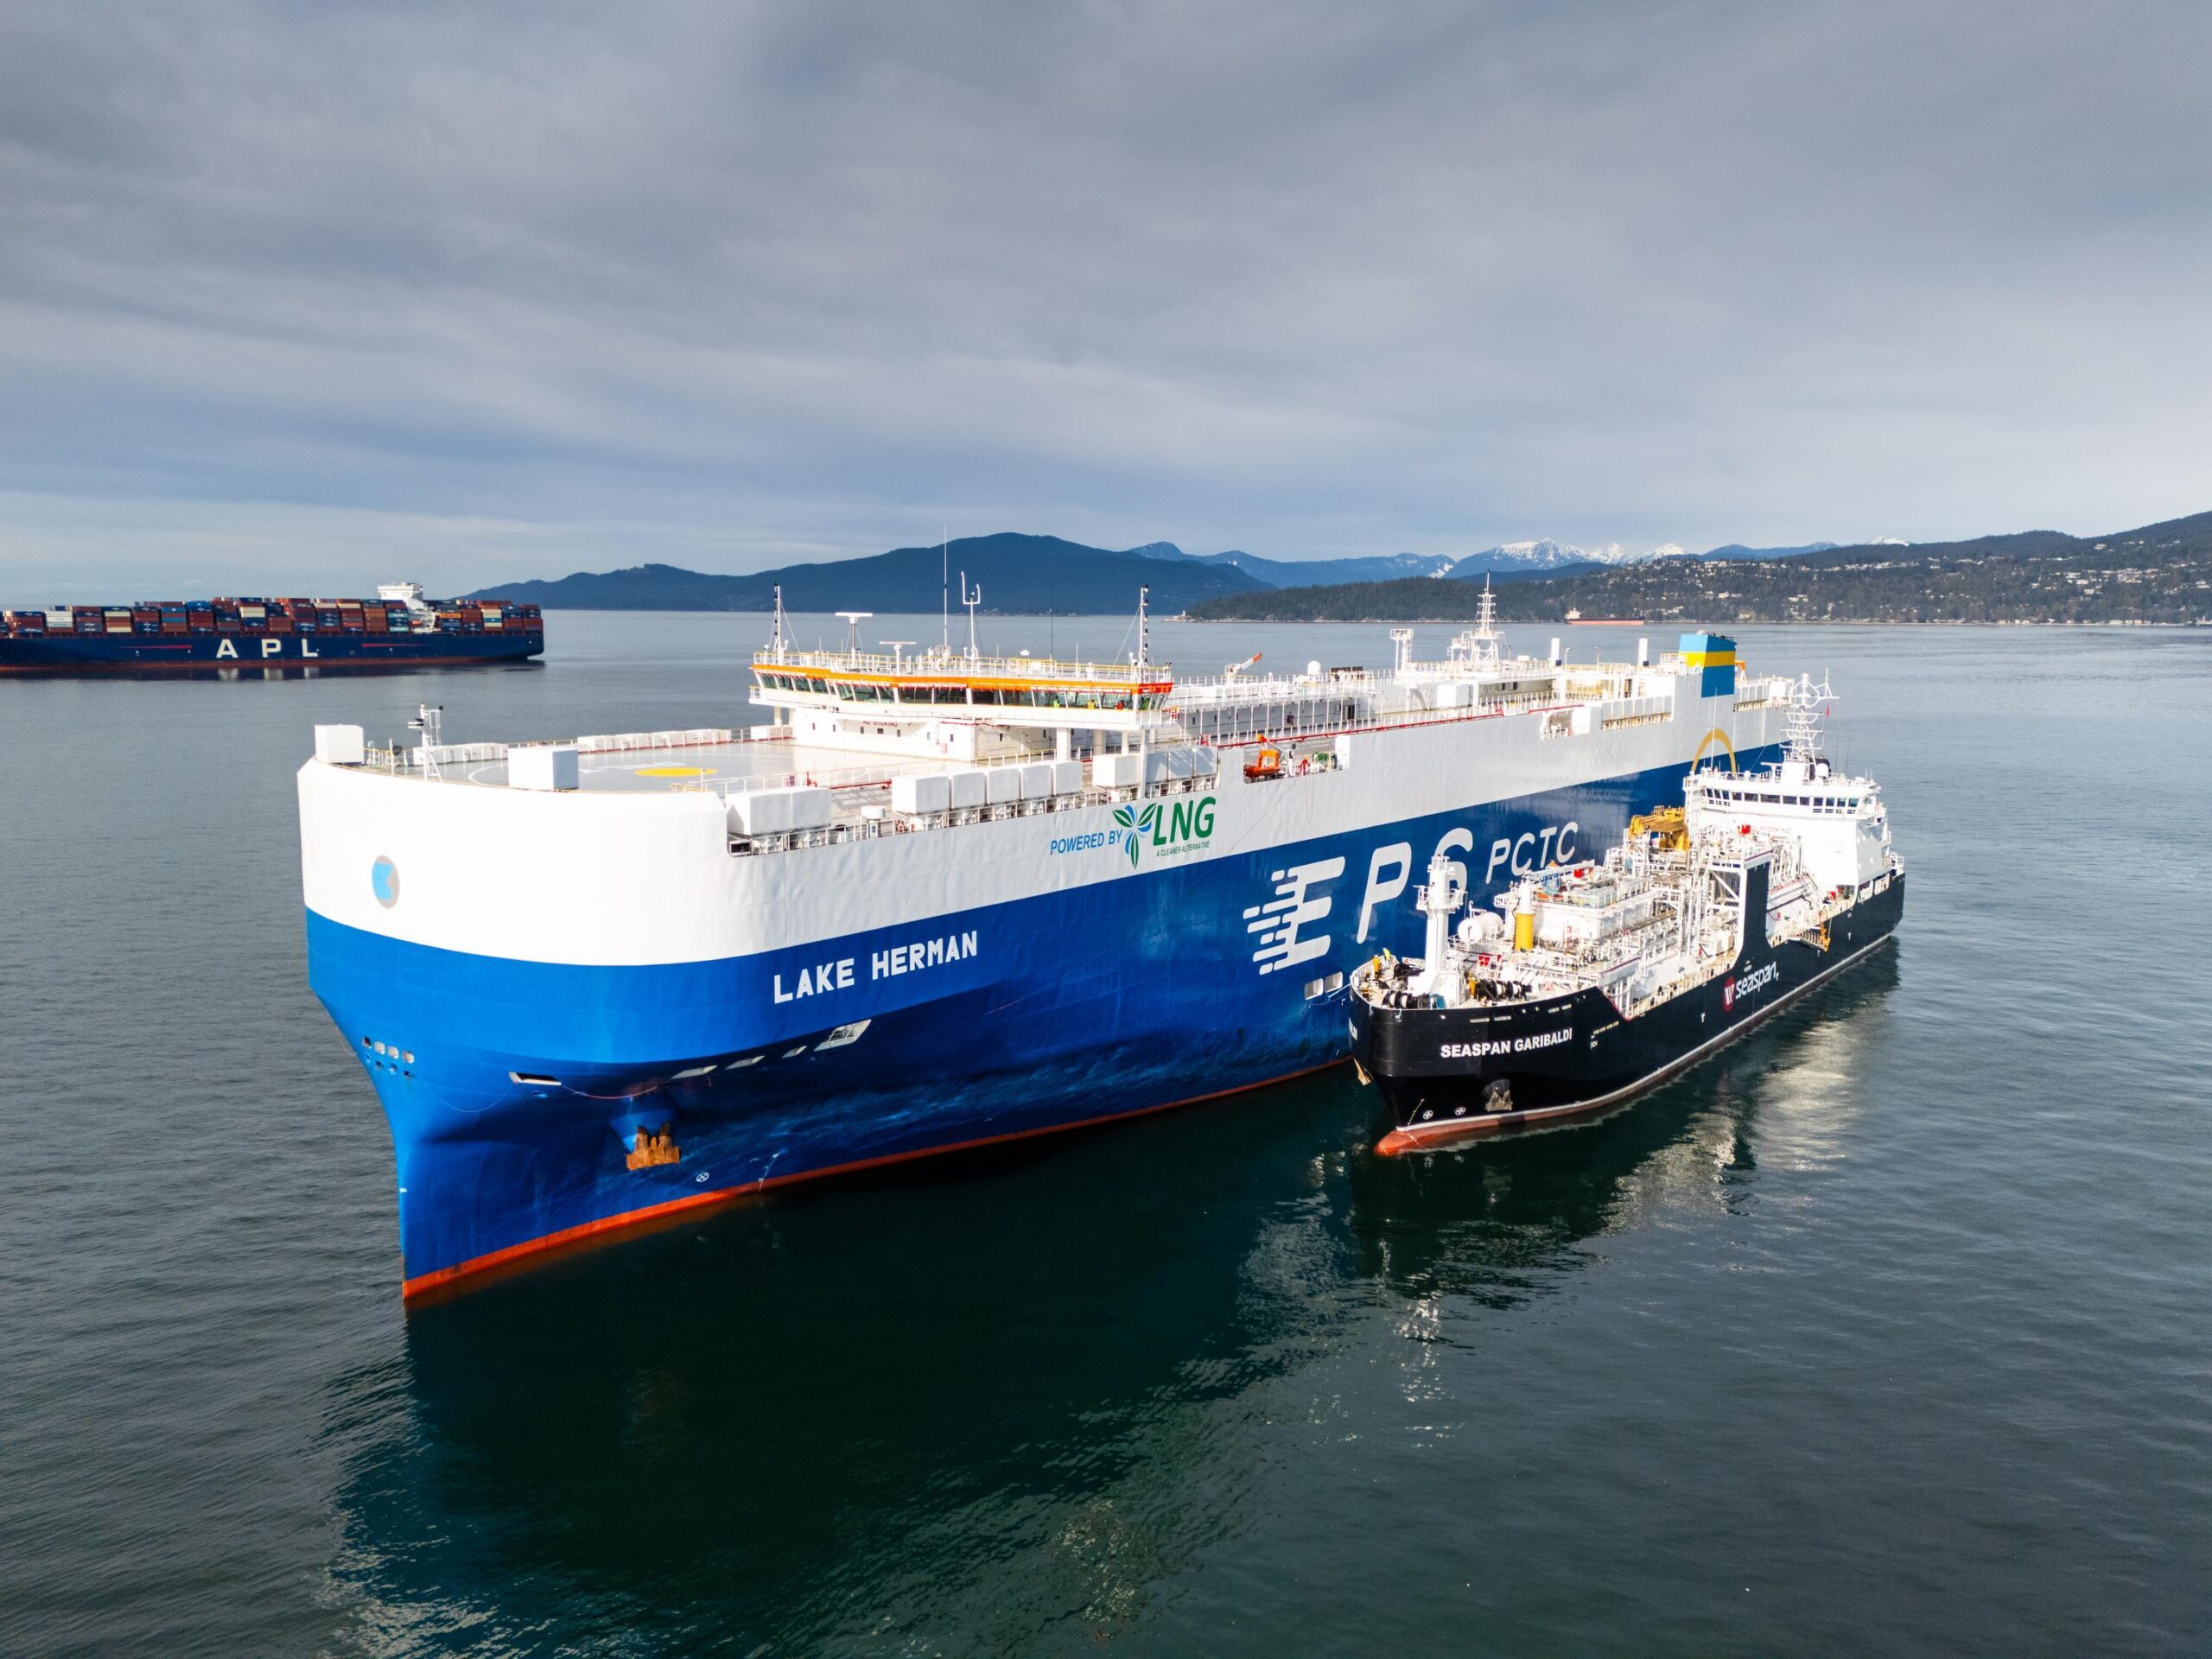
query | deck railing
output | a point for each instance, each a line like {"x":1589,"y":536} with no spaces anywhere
{"x":953,"y":665}
{"x":859,"y":793}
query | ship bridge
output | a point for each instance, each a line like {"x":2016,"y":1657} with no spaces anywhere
{"x":943,"y":704}
{"x":921,"y":703}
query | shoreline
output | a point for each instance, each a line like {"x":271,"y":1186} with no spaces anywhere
{"x":1446,"y":621}
{"x":1673,"y":622}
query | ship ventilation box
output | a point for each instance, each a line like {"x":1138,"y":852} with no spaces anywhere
{"x":778,"y":811}
{"x":543,"y":766}
{"x":338,"y":746}
{"x":920,"y":792}
{"x":811,"y":808}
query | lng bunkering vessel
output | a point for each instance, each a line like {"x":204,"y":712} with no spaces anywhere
{"x":940,"y":898}
{"x":1595,"y":980}
{"x":397,"y":629}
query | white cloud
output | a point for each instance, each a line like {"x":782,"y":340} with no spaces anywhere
{"x":510,"y":287}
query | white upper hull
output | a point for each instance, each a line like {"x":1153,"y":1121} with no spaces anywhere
{"x":640,"y":877}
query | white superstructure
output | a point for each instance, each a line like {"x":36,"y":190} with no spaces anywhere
{"x":1663,"y":911}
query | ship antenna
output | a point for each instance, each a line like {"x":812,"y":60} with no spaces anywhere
{"x":429,"y":717}
{"x":777,"y":644}
{"x":944,"y":586}
{"x":1801,"y":727}
{"x":971,"y":600}
{"x":1485,"y":652}
{"x":1144,"y":631}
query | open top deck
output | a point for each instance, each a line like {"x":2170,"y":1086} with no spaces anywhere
{"x":869,"y":742}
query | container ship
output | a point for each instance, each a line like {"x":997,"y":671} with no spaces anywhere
{"x":940,"y":898}
{"x":1598,"y":980}
{"x":397,"y":629}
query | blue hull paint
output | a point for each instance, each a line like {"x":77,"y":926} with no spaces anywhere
{"x":1101,"y":1001}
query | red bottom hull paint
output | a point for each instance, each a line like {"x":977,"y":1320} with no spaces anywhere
{"x":275,"y":665}
{"x":635,"y":1222}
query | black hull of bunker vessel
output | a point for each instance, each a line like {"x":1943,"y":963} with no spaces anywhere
{"x":1449,"y":1073}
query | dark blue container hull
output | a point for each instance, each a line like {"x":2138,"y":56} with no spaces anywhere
{"x":96,"y":653}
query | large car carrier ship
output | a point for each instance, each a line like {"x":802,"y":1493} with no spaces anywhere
{"x":942,"y":899}
{"x":397,"y":629}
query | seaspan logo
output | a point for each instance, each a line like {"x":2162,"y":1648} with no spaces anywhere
{"x":1758,"y":980}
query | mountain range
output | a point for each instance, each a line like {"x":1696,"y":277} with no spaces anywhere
{"x":2158,"y":573}
{"x":1032,"y":574}
{"x":1015,"y":573}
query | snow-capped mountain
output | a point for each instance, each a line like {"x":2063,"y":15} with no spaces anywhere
{"x":1516,"y":558}
{"x":1540,"y":556}
{"x":1302,"y":573}
{"x":1546,"y":555}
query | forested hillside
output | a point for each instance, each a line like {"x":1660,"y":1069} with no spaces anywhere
{"x":2160,"y":573}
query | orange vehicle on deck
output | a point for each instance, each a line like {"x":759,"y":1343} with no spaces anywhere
{"x":1266,"y":763}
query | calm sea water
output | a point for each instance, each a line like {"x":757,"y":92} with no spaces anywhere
{"x":1890,"y":1330}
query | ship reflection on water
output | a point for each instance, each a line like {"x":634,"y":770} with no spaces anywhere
{"x":994,"y":1403}
{"x":1479,"y":1222}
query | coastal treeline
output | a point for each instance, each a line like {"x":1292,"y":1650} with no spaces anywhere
{"x":2161,"y":573}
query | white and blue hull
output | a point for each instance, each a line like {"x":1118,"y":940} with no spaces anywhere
{"x":532,"y":979}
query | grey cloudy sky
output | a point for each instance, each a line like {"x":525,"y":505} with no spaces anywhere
{"x":307,"y":295}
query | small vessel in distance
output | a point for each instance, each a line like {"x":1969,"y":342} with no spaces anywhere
{"x":1575,"y":619}
{"x":397,"y":629}
{"x":1597,"y":981}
